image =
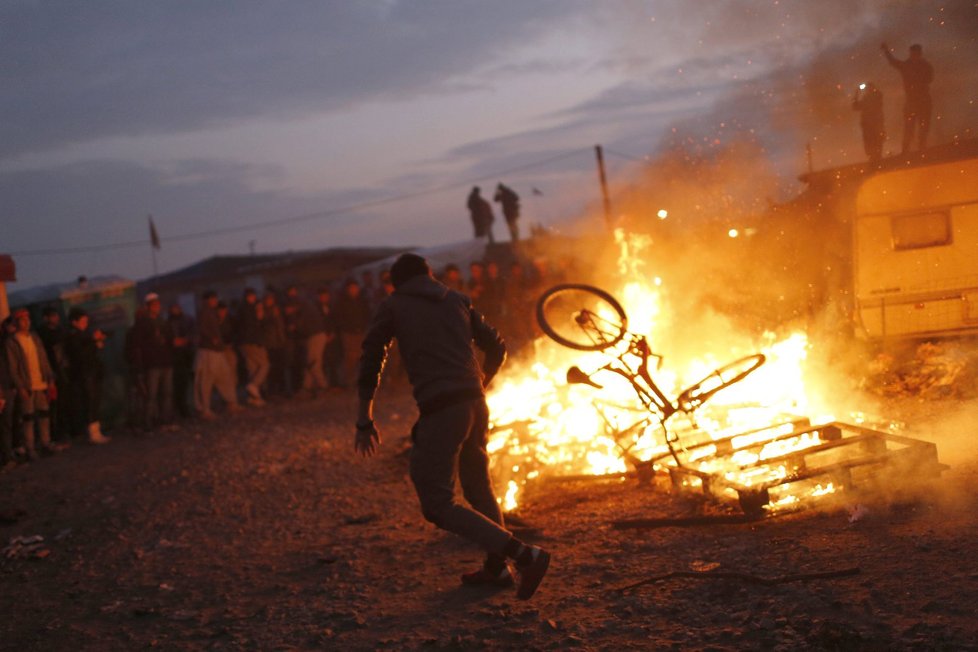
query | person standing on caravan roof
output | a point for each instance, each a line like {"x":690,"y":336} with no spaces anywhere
{"x":868,"y":100}
{"x":917,"y":76}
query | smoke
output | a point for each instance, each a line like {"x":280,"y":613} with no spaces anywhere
{"x":809,"y":100}
{"x":742,"y":249}
{"x":741,"y":254}
{"x":954,"y":428}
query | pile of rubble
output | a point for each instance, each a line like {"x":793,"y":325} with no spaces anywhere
{"x":936,"y":370}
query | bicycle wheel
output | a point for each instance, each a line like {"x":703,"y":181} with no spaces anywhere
{"x":725,"y":376}
{"x":581,"y":317}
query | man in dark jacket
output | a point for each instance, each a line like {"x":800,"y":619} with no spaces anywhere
{"x":182,"y":329}
{"x":277,"y":344}
{"x":480,"y":211}
{"x":917,"y":75}
{"x":352,"y":314}
{"x":251,"y":340}
{"x":510,"y":202}
{"x":84,"y":369}
{"x":211,"y":363}
{"x":437,"y":331}
{"x":153,"y":357}
{"x":53,"y":337}
{"x":868,"y":100}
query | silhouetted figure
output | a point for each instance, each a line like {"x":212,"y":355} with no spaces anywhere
{"x":438,"y":334}
{"x":917,"y":75}
{"x":352,"y":314}
{"x":510,"y":202}
{"x":868,"y":100}
{"x":53,"y":336}
{"x":85,"y":373}
{"x":183,"y":329}
{"x":481,"y":213}
{"x":452,"y":277}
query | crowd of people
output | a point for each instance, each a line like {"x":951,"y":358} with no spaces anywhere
{"x":290,"y":344}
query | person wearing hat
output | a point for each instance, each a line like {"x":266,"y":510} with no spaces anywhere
{"x":437,"y":332}
{"x":33,"y":380}
{"x":84,"y":370}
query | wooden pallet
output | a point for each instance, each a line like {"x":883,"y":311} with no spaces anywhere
{"x":842,"y":458}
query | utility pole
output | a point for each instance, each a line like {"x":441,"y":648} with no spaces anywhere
{"x":154,"y":244}
{"x":604,"y":185}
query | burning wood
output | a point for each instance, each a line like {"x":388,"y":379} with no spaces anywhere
{"x":616,"y":420}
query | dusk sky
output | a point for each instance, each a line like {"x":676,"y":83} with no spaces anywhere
{"x":216,"y":116}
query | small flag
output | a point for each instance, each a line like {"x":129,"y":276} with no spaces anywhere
{"x":537,"y":192}
{"x":154,"y":237}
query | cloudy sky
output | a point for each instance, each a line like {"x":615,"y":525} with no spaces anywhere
{"x":303,"y":125}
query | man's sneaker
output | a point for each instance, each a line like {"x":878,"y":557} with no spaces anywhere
{"x":483,"y":577}
{"x":532,"y":572}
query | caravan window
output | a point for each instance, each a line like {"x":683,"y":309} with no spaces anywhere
{"x":921,"y":230}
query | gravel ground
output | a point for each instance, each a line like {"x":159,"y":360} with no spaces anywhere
{"x":266,"y":532}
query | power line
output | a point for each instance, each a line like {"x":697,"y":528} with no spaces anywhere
{"x":626,"y":156}
{"x":297,"y":218}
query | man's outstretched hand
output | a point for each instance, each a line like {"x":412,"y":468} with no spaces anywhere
{"x":367,"y":440}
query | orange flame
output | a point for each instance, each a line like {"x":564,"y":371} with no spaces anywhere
{"x":541,"y":426}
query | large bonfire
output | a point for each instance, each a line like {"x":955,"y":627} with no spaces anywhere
{"x":543,"y":427}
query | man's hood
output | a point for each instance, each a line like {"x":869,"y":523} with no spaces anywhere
{"x":423,"y":286}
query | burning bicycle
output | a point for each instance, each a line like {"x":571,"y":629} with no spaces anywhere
{"x":786,"y":463}
{"x":586,"y":318}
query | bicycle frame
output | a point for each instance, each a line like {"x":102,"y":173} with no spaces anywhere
{"x":652,"y":398}
{"x":603,"y":333}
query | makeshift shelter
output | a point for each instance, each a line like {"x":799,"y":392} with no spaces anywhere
{"x":229,"y":275}
{"x":460,"y":253}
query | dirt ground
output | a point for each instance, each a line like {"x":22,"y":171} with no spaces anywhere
{"x":266,"y":532}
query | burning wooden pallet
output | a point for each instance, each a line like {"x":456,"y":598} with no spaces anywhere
{"x":776,"y":467}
